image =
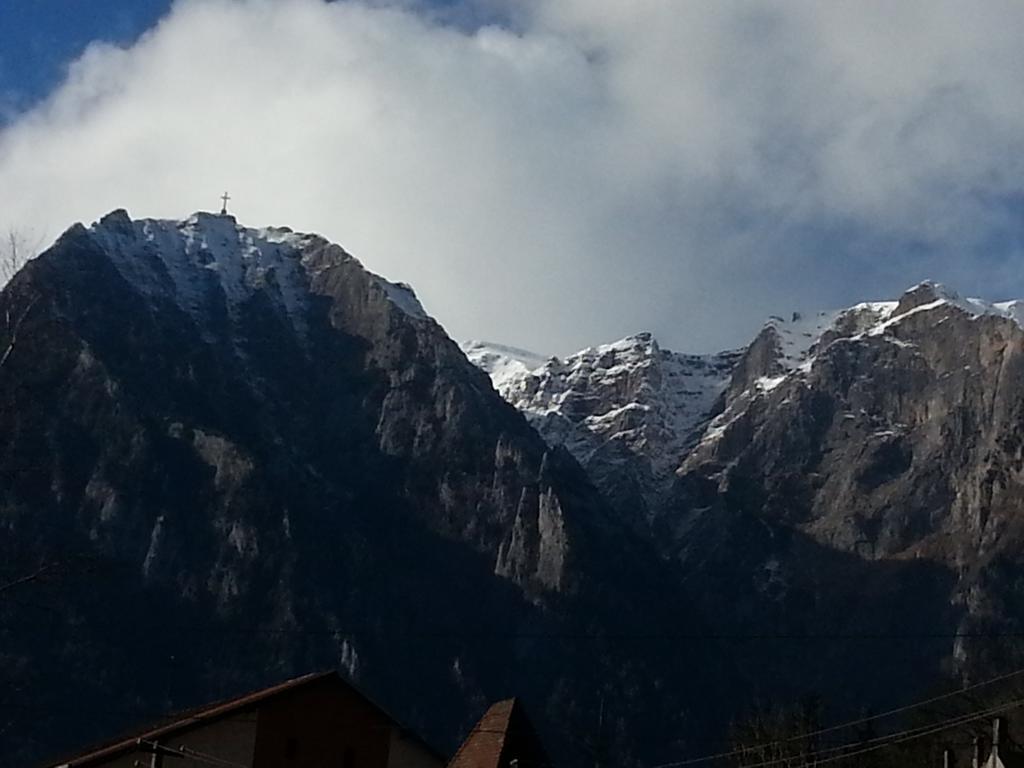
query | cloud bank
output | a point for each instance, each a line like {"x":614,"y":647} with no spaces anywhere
{"x":555,"y":173}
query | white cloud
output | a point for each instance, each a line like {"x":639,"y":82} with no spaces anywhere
{"x":604,"y":168}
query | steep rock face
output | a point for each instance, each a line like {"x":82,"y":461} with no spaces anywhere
{"x":234,"y":455}
{"x":627,"y":411}
{"x":901,"y":419}
{"x":251,"y":457}
{"x":847,"y":503}
{"x":895,"y":448}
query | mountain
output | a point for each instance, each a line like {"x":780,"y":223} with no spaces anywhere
{"x":233,"y":455}
{"x":230,"y":455}
{"x":627,"y":411}
{"x":894,"y":445}
{"x":845,"y":490}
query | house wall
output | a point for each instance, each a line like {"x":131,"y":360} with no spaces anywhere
{"x":232,"y":739}
{"x":323,"y":724}
{"x":407,"y":751}
{"x":327,"y":726}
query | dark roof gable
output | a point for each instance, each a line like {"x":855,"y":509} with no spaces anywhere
{"x":503,"y":734}
{"x":214,"y":712}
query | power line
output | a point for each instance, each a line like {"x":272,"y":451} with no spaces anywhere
{"x":852,"y":723}
{"x":365,"y":627}
{"x":911,"y":735}
{"x":441,"y":633}
{"x":829,"y":755}
{"x":907,"y":734}
{"x":916,"y":704}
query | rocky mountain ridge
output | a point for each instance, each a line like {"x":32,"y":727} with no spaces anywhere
{"x":273,"y":461}
{"x":628,"y":411}
{"x":859,"y":475}
{"x":633,"y":402}
{"x":895,"y":447}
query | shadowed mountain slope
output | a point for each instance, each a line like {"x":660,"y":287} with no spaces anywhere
{"x":254,"y":458}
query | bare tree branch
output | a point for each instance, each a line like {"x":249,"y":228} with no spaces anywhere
{"x":10,"y":257}
{"x":13,"y":328}
{"x":16,"y":249}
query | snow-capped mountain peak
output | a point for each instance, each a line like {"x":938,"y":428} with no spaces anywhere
{"x":631,"y":412}
{"x":209,"y":265}
{"x":504,"y":364}
{"x":626,"y":407}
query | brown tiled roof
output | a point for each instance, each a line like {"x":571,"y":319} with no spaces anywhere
{"x":503,"y":734}
{"x":210,"y":713}
{"x":186,"y":720}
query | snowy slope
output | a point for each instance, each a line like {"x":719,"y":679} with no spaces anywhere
{"x":505,"y":365}
{"x":629,"y":402}
{"x":631,"y":412}
{"x":210,"y":266}
{"x":799,"y":341}
{"x":802,"y":338}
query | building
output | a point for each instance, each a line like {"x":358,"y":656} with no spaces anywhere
{"x":315,"y":721}
{"x":504,"y":738}
{"x":309,"y":722}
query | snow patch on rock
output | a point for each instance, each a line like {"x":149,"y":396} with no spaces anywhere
{"x":804,"y":337}
{"x":209,"y":266}
{"x":208,"y":262}
{"x":403,"y":297}
{"x":505,"y":365}
{"x":798,"y":335}
{"x":630,"y":394}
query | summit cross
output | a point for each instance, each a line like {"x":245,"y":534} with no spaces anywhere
{"x":224,"y":208}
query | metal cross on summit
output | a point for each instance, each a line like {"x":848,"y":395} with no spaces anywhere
{"x":224,"y":208}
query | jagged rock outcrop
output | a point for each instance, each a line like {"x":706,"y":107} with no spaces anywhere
{"x":897,"y":441}
{"x":853,"y":491}
{"x":231,"y":455}
{"x":627,"y":411}
{"x":272,"y":460}
{"x":907,"y":414}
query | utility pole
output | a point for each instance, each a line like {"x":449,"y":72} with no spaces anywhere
{"x":998,"y":734}
{"x":156,"y":751}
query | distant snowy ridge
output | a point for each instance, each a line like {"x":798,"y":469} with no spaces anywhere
{"x":505,"y":365}
{"x":940,"y":294}
{"x":799,"y":341}
{"x":632,"y":401}
{"x":629,"y":401}
{"x":802,"y":337}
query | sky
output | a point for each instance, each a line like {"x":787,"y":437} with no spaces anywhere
{"x":546,"y":173}
{"x":39,"y":38}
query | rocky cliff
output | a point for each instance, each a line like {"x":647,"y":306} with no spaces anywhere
{"x":628,"y":411}
{"x":230,"y":455}
{"x":895,"y":444}
{"x":238,"y":455}
{"x":843,"y":498}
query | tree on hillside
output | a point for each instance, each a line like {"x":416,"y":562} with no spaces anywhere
{"x":782,"y":737}
{"x":12,"y":322}
{"x":15,"y":249}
